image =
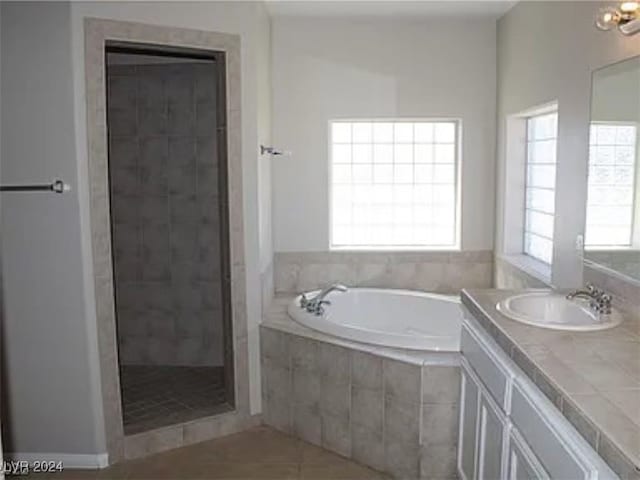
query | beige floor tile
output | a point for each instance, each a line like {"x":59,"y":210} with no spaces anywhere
{"x":343,"y":471}
{"x":256,"y":454}
{"x":258,"y":445}
{"x":250,"y":471}
{"x":312,"y":455}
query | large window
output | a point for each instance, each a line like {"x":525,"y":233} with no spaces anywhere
{"x":612,"y":173}
{"x":540,"y":186}
{"x":394,"y":184}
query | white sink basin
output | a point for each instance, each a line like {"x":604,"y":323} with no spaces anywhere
{"x":552,"y":310}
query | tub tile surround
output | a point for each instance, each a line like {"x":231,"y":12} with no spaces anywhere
{"x":592,"y":377}
{"x":392,"y":410}
{"x":440,"y":272}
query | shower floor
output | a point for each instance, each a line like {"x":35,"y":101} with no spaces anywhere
{"x":157,"y":396}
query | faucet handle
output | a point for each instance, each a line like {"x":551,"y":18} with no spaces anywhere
{"x":318,"y":307}
{"x":304,"y":301}
{"x":603,"y":303}
{"x":595,"y":291}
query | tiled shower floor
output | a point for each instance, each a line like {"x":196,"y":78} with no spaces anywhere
{"x":157,"y":396}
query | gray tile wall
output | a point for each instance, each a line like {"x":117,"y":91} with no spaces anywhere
{"x":442,"y":272}
{"x":396,"y":417}
{"x":165,"y":213}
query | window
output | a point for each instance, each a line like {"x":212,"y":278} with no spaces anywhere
{"x":612,"y":173}
{"x":394,"y":184}
{"x":540,"y":183}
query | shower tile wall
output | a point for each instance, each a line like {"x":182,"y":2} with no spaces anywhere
{"x":165,"y":212}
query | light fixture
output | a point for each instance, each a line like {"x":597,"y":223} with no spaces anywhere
{"x":626,"y":17}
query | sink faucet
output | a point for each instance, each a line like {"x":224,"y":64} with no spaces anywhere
{"x":599,"y":300}
{"x":315,"y":305}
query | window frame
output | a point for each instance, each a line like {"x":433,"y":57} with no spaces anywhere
{"x":636,"y":171}
{"x":457,"y":184}
{"x":550,"y":110}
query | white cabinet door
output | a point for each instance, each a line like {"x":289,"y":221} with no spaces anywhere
{"x":491,"y":436}
{"x":522,"y":463}
{"x":469,"y":393}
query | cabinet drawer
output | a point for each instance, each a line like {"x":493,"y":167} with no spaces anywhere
{"x":545,"y":439}
{"x":487,"y":363}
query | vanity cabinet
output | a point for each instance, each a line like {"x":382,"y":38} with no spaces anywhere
{"x":469,"y":397}
{"x":508,"y":428}
{"x":483,"y":428}
{"x":521,"y":462}
{"x":492,"y":425}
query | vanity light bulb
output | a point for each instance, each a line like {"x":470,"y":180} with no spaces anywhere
{"x":629,"y":7}
{"x":608,"y":18}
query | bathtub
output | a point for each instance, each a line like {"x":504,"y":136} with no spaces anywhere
{"x":391,"y":318}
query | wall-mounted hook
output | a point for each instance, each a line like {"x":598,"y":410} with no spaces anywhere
{"x":273,"y":151}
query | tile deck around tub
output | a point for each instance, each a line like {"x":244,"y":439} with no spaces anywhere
{"x":592,"y":377}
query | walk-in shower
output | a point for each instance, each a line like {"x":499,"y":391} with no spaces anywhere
{"x":169,"y":228}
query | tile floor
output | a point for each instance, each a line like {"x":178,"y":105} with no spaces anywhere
{"x":157,"y":396}
{"x":258,"y":453}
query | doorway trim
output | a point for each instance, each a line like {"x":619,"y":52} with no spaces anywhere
{"x":98,"y":33}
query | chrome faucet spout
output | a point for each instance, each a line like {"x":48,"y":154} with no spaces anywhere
{"x":315,"y":304}
{"x":578,"y":294}
{"x":600,"y":301}
{"x":589,"y":291}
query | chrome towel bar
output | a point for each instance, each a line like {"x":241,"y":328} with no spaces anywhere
{"x":57,"y":186}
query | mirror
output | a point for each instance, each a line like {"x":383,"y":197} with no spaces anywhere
{"x":612,"y":231}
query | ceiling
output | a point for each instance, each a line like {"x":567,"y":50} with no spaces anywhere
{"x":392,"y":8}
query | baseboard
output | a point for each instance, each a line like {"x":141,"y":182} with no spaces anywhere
{"x":69,"y":461}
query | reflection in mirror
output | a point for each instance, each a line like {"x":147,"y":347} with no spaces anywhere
{"x":612,"y":232}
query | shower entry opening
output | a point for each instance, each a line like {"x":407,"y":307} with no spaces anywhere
{"x":168,"y":191}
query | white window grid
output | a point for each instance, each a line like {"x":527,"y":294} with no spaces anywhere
{"x":540,"y":177}
{"x":611,"y":185}
{"x":394,"y":184}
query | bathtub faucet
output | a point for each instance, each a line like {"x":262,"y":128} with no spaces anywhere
{"x":315,"y":305}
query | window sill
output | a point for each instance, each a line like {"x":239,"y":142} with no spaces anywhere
{"x":529,"y":265}
{"x":447,"y":248}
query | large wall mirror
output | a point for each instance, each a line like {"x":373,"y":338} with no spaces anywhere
{"x":612,"y":232}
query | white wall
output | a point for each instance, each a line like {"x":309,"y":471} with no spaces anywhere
{"x":52,"y":386}
{"x":50,"y":326}
{"x":326,"y":68}
{"x":614,"y":93}
{"x":264,"y":137}
{"x":547,"y":51}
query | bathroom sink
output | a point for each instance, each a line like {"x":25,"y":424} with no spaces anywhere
{"x":555,"y":311}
